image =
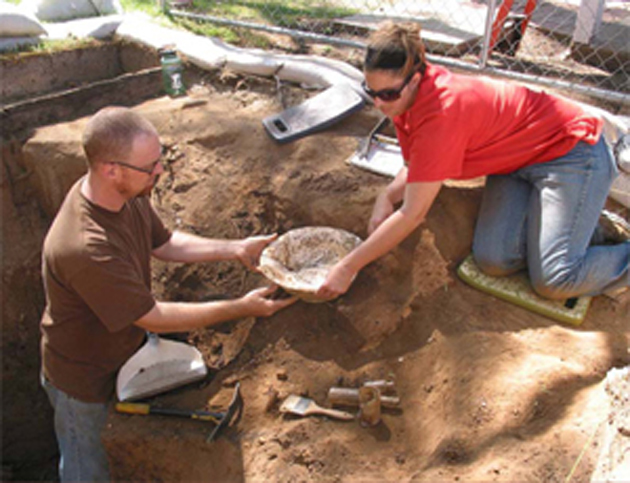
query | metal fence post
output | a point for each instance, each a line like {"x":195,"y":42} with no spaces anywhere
{"x":487,"y":34}
{"x":588,"y":21}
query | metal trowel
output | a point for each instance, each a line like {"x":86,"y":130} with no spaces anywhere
{"x":159,"y":365}
{"x":303,"y":406}
{"x":379,"y":153}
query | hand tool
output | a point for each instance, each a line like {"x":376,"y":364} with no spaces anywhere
{"x":370,"y":406}
{"x":146,"y":409}
{"x":382,"y":385}
{"x":365,"y":148}
{"x":349,"y":396}
{"x":303,"y":406}
{"x":378,"y":153}
{"x":221,"y":419}
{"x":234,"y":413}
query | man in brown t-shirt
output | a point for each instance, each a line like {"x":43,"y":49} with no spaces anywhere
{"x":96,"y":270}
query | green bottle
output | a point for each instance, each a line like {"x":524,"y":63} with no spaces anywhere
{"x":172,"y":70}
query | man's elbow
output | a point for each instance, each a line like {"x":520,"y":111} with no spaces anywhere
{"x":161,"y":253}
{"x":151,"y":320}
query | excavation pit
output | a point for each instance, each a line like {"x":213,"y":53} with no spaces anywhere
{"x":518,"y":393}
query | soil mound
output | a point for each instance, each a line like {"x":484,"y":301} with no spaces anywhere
{"x":489,"y":391}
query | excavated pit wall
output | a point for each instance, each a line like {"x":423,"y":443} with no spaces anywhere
{"x":288,"y":183}
{"x":39,"y":89}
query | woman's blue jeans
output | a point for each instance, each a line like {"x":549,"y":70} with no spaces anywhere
{"x":542,"y":218}
{"x":78,"y":427}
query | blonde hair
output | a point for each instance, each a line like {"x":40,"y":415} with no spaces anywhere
{"x":110,"y":133}
{"x":396,"y":47}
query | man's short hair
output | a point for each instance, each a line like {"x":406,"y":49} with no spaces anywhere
{"x":110,"y":133}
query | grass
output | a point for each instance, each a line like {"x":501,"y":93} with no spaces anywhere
{"x":292,"y":14}
{"x":273,"y":12}
{"x":49,"y":46}
{"x":58,"y":45}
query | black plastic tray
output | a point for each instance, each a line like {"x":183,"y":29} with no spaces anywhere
{"x":316,"y":113}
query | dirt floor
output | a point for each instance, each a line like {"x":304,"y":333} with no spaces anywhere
{"x":488,"y":391}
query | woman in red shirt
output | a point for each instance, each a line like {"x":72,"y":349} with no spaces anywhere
{"x":548,"y":171}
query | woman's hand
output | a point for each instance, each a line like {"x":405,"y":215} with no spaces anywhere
{"x":249,"y":249}
{"x":383,"y":208}
{"x":337,"y":282}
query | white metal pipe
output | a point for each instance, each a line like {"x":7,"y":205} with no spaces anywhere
{"x":487,"y":34}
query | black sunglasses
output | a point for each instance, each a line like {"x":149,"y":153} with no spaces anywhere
{"x":148,"y":170}
{"x":388,"y":95}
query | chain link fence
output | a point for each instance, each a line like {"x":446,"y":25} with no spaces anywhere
{"x":582,"y":46}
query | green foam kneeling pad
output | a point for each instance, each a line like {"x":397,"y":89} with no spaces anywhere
{"x":517,"y":289}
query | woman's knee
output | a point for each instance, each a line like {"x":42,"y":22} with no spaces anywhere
{"x":494,"y":265}
{"x":553,"y":287}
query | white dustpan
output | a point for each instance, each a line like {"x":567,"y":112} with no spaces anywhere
{"x":158,"y":366}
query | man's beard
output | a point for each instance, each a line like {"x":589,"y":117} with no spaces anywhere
{"x":145,"y":192}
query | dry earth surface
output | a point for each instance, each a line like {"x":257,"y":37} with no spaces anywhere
{"x":489,"y":391}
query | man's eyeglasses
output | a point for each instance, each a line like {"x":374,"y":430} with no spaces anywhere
{"x":149,"y":170}
{"x":388,"y":95}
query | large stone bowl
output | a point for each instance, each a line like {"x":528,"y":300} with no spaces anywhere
{"x":299,"y":260}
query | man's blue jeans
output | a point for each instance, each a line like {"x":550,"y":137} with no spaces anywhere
{"x":543,"y":217}
{"x":78,"y":427}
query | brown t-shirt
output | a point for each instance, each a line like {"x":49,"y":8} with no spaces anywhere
{"x":97,"y":275}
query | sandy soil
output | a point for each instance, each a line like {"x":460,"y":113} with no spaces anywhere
{"x":489,"y":391}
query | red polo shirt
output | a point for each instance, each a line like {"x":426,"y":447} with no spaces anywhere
{"x":462,"y":127}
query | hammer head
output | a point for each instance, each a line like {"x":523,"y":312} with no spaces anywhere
{"x":233,"y":413}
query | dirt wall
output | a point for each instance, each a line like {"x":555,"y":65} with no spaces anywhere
{"x":489,"y":391}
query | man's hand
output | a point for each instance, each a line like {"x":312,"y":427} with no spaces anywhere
{"x":167,"y":317}
{"x":337,"y":282}
{"x":260,"y":302}
{"x":249,"y":249}
{"x":383,"y":208}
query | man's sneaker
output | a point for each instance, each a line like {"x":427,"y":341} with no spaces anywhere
{"x":612,"y":229}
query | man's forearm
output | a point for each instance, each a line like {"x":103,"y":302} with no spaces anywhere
{"x":189,"y":248}
{"x":167,"y":317}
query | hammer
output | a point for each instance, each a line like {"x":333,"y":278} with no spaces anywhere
{"x":234,"y":412}
{"x":221,"y":419}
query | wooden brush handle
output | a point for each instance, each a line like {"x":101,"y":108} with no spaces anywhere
{"x":334,"y":413}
